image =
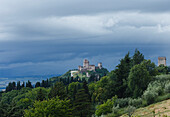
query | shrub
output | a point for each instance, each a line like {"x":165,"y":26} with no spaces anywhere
{"x":105,"y":108}
{"x":135,"y":102}
{"x":150,"y":96}
{"x":122,"y":102}
{"x":115,"y":109}
{"x":167,"y":88}
{"x":156,"y":86}
{"x":130,"y":110}
{"x":163,"y":97}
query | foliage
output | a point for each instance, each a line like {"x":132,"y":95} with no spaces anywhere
{"x":150,"y":96}
{"x":138,"y":80}
{"x":9,"y":104}
{"x":103,"y":89}
{"x":28,"y":84}
{"x":137,"y":57}
{"x":130,"y":110}
{"x":82,"y":104}
{"x":58,"y":90}
{"x":115,"y":109}
{"x":151,"y":67}
{"x":106,"y":107}
{"x":49,"y":108}
{"x":122,"y":102}
{"x":122,"y":72}
{"x":135,"y":102}
{"x":33,"y":94}
{"x":162,"y":69}
{"x":72,"y":89}
{"x":167,"y":87}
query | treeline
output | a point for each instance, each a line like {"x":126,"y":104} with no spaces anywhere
{"x":17,"y":86}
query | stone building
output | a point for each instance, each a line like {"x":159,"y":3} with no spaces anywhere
{"x":162,"y":61}
{"x":87,"y":67}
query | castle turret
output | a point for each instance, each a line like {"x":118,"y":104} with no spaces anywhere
{"x":86,"y":63}
{"x":162,"y":61}
{"x":100,"y":65}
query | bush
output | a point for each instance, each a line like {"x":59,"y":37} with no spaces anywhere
{"x":115,"y":109}
{"x":150,"y":96}
{"x":122,"y":102}
{"x":163,"y":97}
{"x":130,"y":110}
{"x":135,"y":102}
{"x":156,"y":86}
{"x":167,"y":88}
{"x":104,"y":108}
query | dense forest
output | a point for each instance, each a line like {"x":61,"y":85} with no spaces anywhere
{"x":134,"y":83}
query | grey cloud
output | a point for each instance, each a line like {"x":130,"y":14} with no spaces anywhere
{"x":46,"y":37}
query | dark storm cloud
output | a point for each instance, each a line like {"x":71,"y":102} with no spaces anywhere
{"x":50,"y":37}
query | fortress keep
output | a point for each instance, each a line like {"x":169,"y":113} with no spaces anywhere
{"x":162,"y":61}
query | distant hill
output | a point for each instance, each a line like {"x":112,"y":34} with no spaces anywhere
{"x":97,"y":74}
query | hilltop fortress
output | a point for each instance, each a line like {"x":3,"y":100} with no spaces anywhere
{"x":87,"y":67}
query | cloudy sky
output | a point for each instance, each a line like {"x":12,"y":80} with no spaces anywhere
{"x":40,"y":37}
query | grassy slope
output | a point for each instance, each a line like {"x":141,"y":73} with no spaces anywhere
{"x":160,"y":108}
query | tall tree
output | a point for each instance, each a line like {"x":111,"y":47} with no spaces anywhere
{"x":9,"y":87}
{"x":122,"y":73}
{"x":58,"y":90}
{"x":28,"y":84}
{"x":18,"y":85}
{"x":86,"y":89}
{"x":138,"y":80}
{"x":38,"y":84}
{"x":13,"y":85}
{"x":40,"y":95}
{"x":137,"y":57}
{"x":23,"y":85}
{"x":43,"y":83}
{"x":74,"y":92}
{"x":82,"y":105}
{"x":151,"y":67}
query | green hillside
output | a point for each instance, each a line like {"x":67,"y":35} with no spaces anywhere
{"x":160,"y":109}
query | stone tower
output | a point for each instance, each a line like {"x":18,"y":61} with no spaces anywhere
{"x":86,"y":63}
{"x":100,"y":65}
{"x":162,"y":61}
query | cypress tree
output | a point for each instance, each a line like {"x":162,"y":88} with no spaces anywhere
{"x":82,"y":105}
{"x":43,"y":83}
{"x":40,"y":95}
{"x":28,"y":84}
{"x":86,"y":88}
{"x":137,"y":57}
{"x":18,"y":85}
{"x":23,"y":85}
{"x":37,"y":84}
{"x":122,"y":73}
{"x":48,"y":84}
{"x":71,"y":80}
{"x":13,"y":85}
{"x":9,"y":87}
{"x":58,"y":90}
{"x":74,"y":92}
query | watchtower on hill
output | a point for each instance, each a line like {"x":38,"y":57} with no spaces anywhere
{"x":161,"y":61}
